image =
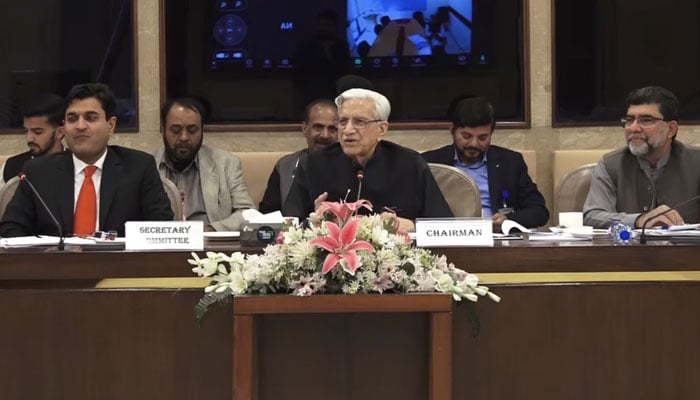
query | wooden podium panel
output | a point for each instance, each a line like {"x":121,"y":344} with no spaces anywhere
{"x":247,"y":310}
{"x":576,"y":322}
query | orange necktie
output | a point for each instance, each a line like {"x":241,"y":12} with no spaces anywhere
{"x":86,"y":208}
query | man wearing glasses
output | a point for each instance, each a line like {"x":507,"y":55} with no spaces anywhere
{"x":652,"y":174}
{"x":363,"y":166}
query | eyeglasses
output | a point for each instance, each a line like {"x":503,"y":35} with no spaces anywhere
{"x":644,"y":121}
{"x":359,"y":123}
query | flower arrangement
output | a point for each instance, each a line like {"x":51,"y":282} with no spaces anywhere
{"x":339,"y":252}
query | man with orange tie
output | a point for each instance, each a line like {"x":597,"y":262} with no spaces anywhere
{"x":93,"y":186}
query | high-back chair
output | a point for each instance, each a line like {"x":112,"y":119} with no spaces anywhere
{"x":573,"y":190}
{"x":7,"y":191}
{"x":459,"y":189}
{"x":257,"y":167}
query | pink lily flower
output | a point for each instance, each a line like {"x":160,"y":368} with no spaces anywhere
{"x":341,"y":210}
{"x":341,"y":245}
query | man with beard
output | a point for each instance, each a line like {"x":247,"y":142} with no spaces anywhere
{"x":318,"y":127}
{"x":43,"y":128}
{"x":653,"y":173}
{"x":211,"y":180}
{"x":507,"y":191}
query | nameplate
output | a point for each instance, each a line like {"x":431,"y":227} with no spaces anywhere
{"x":164,"y":235}
{"x":454,"y":232}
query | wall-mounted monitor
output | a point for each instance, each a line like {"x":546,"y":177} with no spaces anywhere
{"x":351,"y":34}
{"x":262,"y":61}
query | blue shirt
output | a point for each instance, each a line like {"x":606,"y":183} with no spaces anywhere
{"x":479,"y":172}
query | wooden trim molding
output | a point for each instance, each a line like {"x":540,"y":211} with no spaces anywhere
{"x":526,"y":79}
{"x":162,"y":60}
{"x":135,"y":82}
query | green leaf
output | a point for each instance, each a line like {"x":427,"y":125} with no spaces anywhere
{"x":389,"y":225}
{"x":472,"y":316}
{"x":409,"y":268}
{"x":202,"y":306}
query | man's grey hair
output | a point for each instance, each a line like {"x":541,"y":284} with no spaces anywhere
{"x":382,"y":107}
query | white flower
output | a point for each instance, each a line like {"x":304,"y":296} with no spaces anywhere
{"x":399,"y":276}
{"x":468,"y":281}
{"x":379,"y":236}
{"x":295,"y":266}
{"x":237,"y":283}
{"x":237,"y":258}
{"x":442,"y":263}
{"x":294,"y":234}
{"x":352,"y":287}
{"x":302,"y":254}
{"x":443,"y":282}
{"x":423,"y":282}
{"x":204,"y":267}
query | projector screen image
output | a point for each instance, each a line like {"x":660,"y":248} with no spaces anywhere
{"x":397,"y":28}
{"x":353,"y":34}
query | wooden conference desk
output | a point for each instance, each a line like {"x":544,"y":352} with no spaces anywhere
{"x":579,"y":321}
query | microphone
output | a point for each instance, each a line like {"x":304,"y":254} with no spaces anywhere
{"x":643,"y":237}
{"x":23,"y":177}
{"x":360,"y":177}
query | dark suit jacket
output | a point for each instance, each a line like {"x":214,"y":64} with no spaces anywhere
{"x":395,"y":177}
{"x":130,"y":190}
{"x":14,"y":164}
{"x":507,"y":171}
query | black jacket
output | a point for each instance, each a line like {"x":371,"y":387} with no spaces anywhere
{"x":130,"y":190}
{"x":395,"y":178}
{"x":14,"y":164}
{"x":507,"y":171}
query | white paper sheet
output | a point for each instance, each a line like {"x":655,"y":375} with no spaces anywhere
{"x":509,"y":227}
{"x":32,"y":241}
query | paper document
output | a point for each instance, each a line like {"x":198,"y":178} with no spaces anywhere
{"x":503,"y":236}
{"x":684,"y":227}
{"x":256,"y":217}
{"x":669,"y":232}
{"x":556,"y":237}
{"x":510,"y":227}
{"x":30,"y":241}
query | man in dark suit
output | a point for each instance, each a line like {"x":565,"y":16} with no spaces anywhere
{"x":125,"y":184}
{"x":43,"y":129}
{"x":507,"y":192}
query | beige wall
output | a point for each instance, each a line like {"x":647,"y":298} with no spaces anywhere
{"x":541,"y":137}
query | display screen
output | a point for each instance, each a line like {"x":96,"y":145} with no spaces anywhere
{"x":348,"y":34}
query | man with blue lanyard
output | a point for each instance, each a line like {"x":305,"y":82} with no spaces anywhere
{"x":507,"y":192}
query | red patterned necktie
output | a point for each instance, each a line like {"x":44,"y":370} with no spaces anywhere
{"x":86,"y":209}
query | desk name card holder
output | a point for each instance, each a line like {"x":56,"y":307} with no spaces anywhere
{"x":164,"y":235}
{"x":454,"y":232}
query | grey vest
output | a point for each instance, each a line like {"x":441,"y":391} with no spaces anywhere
{"x":679,"y":181}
